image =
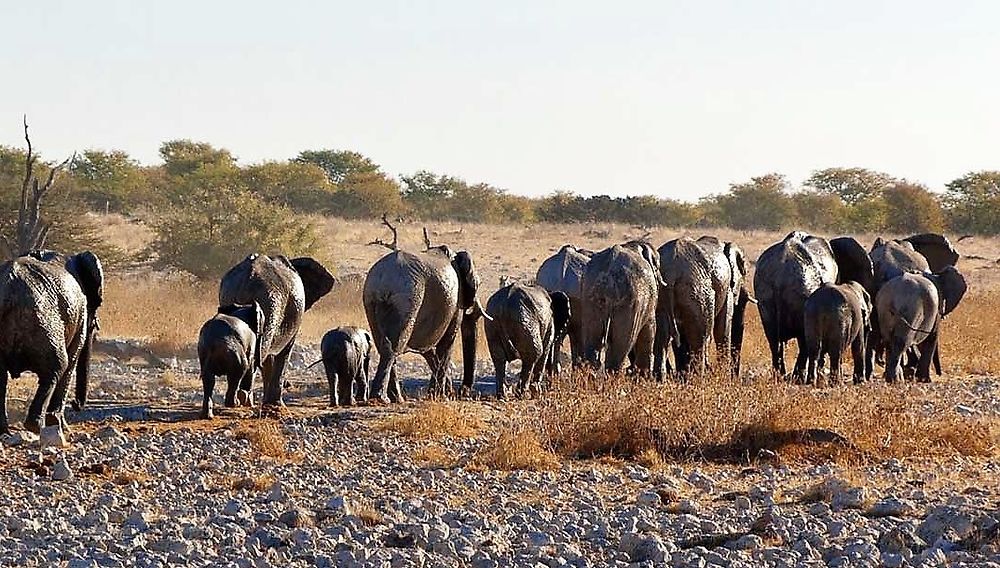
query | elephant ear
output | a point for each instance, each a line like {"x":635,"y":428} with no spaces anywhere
{"x":952,"y":286}
{"x":936,"y":249}
{"x":316,"y":280}
{"x":561,"y":312}
{"x":853,"y":263}
{"x":468,"y":279}
{"x":879,"y":243}
{"x":737,"y":265}
{"x":87,"y":270}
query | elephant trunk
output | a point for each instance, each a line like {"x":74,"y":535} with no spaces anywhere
{"x":83,"y":367}
{"x":470,"y":338}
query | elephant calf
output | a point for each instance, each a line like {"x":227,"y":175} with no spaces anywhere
{"x":837,"y":316}
{"x":347,"y":355}
{"x":229,"y":345}
{"x":526,"y":323}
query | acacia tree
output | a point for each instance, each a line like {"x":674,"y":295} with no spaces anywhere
{"x":30,"y":231}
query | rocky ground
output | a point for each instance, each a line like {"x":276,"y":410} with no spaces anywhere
{"x":147,"y":485}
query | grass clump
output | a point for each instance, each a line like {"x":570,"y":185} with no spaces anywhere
{"x":265,"y":437}
{"x":515,"y":449}
{"x":433,"y":420}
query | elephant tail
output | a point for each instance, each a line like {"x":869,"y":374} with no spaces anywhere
{"x":910,"y":325}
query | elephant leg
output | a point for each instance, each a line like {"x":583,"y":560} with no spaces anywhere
{"x":363,"y":388}
{"x":4,"y":378}
{"x":208,"y":387}
{"x":528,"y":363}
{"x":858,"y":357}
{"x":870,"y":341}
{"x":331,"y":382}
{"x":443,"y":350}
{"x":660,"y":341}
{"x":266,"y":370}
{"x":54,"y":409}
{"x":896,"y":351}
{"x":813,"y":359}
{"x":499,"y":370}
{"x":272,"y":388}
{"x":722,"y":329}
{"x":244,"y":394}
{"x":644,"y":349}
{"x":232,"y":386}
{"x":345,"y":385}
{"x":798,"y":372}
{"x":395,"y":387}
{"x":46,"y":384}
{"x":622,"y":333}
{"x":836,"y":354}
{"x":577,"y":342}
{"x":383,"y":376}
{"x":927,"y":349}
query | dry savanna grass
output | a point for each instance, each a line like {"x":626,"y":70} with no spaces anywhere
{"x":128,"y":477}
{"x":516,"y":448}
{"x":435,"y":419}
{"x":255,"y":483}
{"x":434,"y":456}
{"x":721,"y":420}
{"x":265,"y":437}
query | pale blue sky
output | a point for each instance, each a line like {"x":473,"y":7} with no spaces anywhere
{"x":675,"y":99}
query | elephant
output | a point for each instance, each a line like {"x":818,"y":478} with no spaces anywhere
{"x":347,"y":357}
{"x":926,"y":252}
{"x":619,"y":292}
{"x":420,"y":302}
{"x":704,"y":298}
{"x":284,"y":289}
{"x":48,"y":320}
{"x":837,"y":316}
{"x":911,"y":307}
{"x":527,"y":322}
{"x":563,"y":272}
{"x":229,"y":345}
{"x":788,"y":272}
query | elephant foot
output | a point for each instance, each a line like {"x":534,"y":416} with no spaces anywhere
{"x":51,"y":419}
{"x":206,"y":415}
{"x":379,"y":400}
{"x":76,"y":405}
{"x":244,"y":398}
{"x":33,"y":425}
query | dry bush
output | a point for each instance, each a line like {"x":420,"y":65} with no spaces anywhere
{"x":256,"y":483}
{"x":265,"y":437}
{"x":435,"y":419}
{"x":434,"y":456}
{"x":368,"y":513}
{"x":516,"y":448}
{"x":165,"y":312}
{"x":718,"y":419}
{"x":128,"y":477}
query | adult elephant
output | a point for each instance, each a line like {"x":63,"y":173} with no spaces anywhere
{"x":619,"y":292}
{"x":704,"y":298}
{"x":928,"y":252}
{"x":420,"y":302}
{"x":788,"y":272}
{"x":911,"y":307}
{"x":48,"y":318}
{"x":284,"y":289}
{"x":563,"y":272}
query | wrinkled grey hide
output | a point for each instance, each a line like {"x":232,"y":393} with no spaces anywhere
{"x":527,"y":322}
{"x":420,"y":302}
{"x":48,"y":319}
{"x":284,"y":289}
{"x":563,"y":272}
{"x":229,"y":345}
{"x":347,"y":356}
{"x":837,"y":317}
{"x":787,"y":273}
{"x":620,"y":290}
{"x":911,"y":307}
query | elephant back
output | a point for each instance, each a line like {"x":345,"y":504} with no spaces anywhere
{"x":563,"y":272}
{"x":618,"y":276}
{"x":274,"y":284}
{"x":908,"y":305}
{"x":894,"y":258}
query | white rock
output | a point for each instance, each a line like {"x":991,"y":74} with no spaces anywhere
{"x":340,"y":505}
{"x":20,"y":437}
{"x":61,"y":471}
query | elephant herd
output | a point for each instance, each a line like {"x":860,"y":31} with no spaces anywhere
{"x":626,"y":308}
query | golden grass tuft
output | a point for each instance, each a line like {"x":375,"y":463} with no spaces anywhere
{"x":722,"y":420}
{"x":435,"y":419}
{"x":255,"y":483}
{"x":265,"y":437}
{"x":515,"y":449}
{"x":434,"y":456}
{"x":368,"y":513}
{"x":128,"y":477}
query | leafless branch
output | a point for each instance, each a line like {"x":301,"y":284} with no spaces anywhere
{"x":395,"y":236}
{"x":427,"y":240}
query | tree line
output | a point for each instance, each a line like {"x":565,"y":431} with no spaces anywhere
{"x":207,"y":209}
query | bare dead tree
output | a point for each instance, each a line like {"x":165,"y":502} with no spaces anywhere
{"x":395,"y":236}
{"x":427,"y":240}
{"x":30,"y":232}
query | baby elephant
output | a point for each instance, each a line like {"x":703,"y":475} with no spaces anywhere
{"x":527,"y":321}
{"x":229,"y":345}
{"x":347,"y":355}
{"x":837,"y":316}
